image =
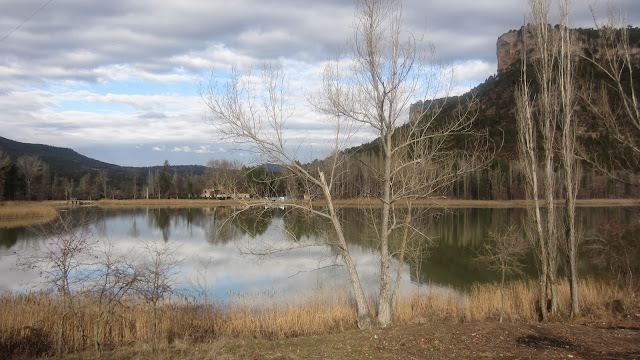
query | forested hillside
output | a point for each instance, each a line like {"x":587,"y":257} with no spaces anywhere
{"x":61,"y":173}
{"x":65,"y":162}
{"x":608,"y":169}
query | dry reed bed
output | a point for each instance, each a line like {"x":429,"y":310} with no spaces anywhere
{"x":25,"y":213}
{"x":30,"y":322}
{"x":597,"y":297}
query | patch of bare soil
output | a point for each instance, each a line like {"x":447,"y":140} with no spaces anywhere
{"x":474,"y":341}
{"x":482,"y":340}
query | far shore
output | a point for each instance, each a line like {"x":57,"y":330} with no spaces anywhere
{"x":358,"y":202}
{"x":26,"y":213}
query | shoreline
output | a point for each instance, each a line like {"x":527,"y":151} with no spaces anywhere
{"x":26,"y":213}
{"x":361,"y":202}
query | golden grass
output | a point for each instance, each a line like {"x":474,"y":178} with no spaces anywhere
{"x":164,"y":203}
{"x":597,"y":299}
{"x":29,"y":323}
{"x":25,"y":213}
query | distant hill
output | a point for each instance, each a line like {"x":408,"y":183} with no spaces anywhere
{"x":66,"y":162}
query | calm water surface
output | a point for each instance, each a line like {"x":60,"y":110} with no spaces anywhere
{"x":220,"y":254}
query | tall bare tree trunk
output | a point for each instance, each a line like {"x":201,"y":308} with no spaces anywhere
{"x":385,"y":298}
{"x":570,"y":164}
{"x":550,"y":108}
{"x":362,"y":308}
{"x":529,"y":157}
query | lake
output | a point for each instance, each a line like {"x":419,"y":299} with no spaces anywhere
{"x":221,"y":254}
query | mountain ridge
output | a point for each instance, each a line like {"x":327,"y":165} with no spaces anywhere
{"x":56,"y":157}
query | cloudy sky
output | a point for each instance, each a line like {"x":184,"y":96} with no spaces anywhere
{"x":118,"y":80}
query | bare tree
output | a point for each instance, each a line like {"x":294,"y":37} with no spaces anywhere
{"x":113,"y":278}
{"x":385,"y":73}
{"x":30,"y":167}
{"x":151,"y":183}
{"x":134,"y":181}
{"x":541,"y":112}
{"x":157,"y":276}
{"x":224,"y":175}
{"x":103,"y":181}
{"x":260,"y":120}
{"x":62,"y":262}
{"x":68,"y":188}
{"x":615,"y":101}
{"x":84,"y":186}
{"x":570,"y":168}
{"x":504,"y":253}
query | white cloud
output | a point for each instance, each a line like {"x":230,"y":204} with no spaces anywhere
{"x":186,"y":149}
{"x":157,"y":148}
{"x":473,"y":70}
{"x":204,"y":149}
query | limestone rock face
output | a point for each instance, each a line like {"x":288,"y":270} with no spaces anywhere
{"x":510,"y":45}
{"x":509,"y":49}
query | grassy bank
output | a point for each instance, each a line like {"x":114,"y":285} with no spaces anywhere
{"x":26,"y":213}
{"x":164,"y":203}
{"x":30,"y":322}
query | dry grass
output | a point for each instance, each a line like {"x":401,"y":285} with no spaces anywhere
{"x":420,"y":307}
{"x":29,"y":322}
{"x":25,"y":213}
{"x":163,"y":203}
{"x":598,"y":300}
{"x":180,"y":320}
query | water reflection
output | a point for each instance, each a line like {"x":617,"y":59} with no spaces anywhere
{"x":212,"y":236}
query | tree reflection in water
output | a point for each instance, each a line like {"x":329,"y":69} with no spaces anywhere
{"x":213,"y":233}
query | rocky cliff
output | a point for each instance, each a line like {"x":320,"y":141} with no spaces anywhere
{"x":510,"y":45}
{"x":509,"y":48}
